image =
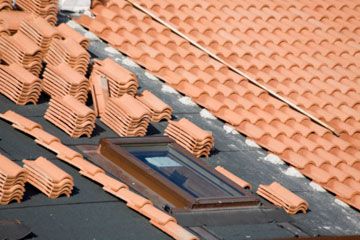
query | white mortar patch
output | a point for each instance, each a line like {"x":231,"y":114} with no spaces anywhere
{"x":272,"y":158}
{"x":111,"y":50}
{"x":293,"y":172}
{"x":167,"y":89}
{"x":341,"y":203}
{"x":206,"y":114}
{"x":150,"y":76}
{"x":73,"y":24}
{"x":229,"y":129}
{"x":187,"y":101}
{"x":91,"y":36}
{"x":88,"y":13}
{"x":251,"y":143}
{"x":129,"y":62}
{"x":316,"y":187}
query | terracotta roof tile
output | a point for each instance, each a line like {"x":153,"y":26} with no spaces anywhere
{"x":39,"y":31}
{"x":160,"y":219}
{"x":100,"y":93}
{"x":11,"y":20}
{"x":19,"y":85}
{"x":159,"y":110}
{"x":48,"y":178}
{"x":274,"y":54}
{"x":282,"y":197}
{"x":12,"y":181}
{"x":120,"y":80}
{"x":127,"y":116}
{"x":21,"y":50}
{"x":194,"y":139}
{"x":70,"y":52}
{"x":242,"y":183}
{"x":47,"y":9}
{"x":67,"y":32}
{"x":6,"y":5}
{"x":72,"y":116}
{"x":63,"y":80}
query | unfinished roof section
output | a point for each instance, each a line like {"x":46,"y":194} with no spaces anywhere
{"x":333,"y":162}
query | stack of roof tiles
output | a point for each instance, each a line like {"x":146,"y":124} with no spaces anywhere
{"x":157,"y":108}
{"x":19,"y":85}
{"x":120,"y":79}
{"x":67,"y":32}
{"x":47,"y":9}
{"x":5,"y":4}
{"x":331,"y":161}
{"x":39,"y":31}
{"x":126,"y":116}
{"x":11,"y":20}
{"x":70,"y":52}
{"x":191,"y":137}
{"x":12,"y":181}
{"x":282,"y":197}
{"x":48,"y":178}
{"x":22,"y":50}
{"x":72,"y":116}
{"x":62,"y":80}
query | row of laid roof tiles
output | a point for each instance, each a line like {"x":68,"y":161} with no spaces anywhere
{"x":311,"y":60}
{"x":320,"y":155}
{"x":140,"y":204}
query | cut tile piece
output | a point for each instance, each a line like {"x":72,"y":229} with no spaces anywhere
{"x":127,"y":116}
{"x":48,"y":178}
{"x":12,"y":181}
{"x":159,"y":110}
{"x":70,"y":115}
{"x":48,"y":9}
{"x":242,"y":183}
{"x":67,"y":32}
{"x":70,"y":52}
{"x":63,"y":80}
{"x":19,"y":85}
{"x":282,"y":197}
{"x":99,"y":93}
{"x":120,"y":79}
{"x":194,"y":139}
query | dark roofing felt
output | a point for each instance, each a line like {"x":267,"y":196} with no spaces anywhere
{"x":93,"y":214}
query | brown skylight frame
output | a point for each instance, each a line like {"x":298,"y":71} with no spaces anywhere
{"x":120,"y":157}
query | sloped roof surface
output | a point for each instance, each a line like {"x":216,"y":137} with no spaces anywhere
{"x":332,"y":161}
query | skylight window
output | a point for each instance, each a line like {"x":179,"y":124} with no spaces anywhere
{"x":164,"y":172}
